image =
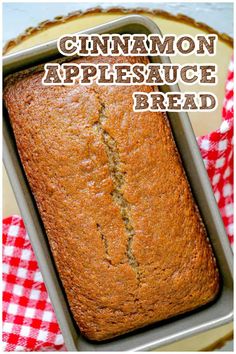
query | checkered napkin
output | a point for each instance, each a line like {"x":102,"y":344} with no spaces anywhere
{"x":29,"y":322}
{"x":217,"y":152}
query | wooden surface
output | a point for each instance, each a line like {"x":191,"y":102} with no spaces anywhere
{"x":202,"y":124}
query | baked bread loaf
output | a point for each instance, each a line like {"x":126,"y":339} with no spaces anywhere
{"x":125,"y":232}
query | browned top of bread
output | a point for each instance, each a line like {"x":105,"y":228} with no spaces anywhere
{"x":125,"y":232}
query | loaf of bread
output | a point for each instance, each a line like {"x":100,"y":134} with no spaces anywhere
{"x":126,"y":235}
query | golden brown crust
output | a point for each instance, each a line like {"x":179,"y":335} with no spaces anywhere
{"x":126,"y":235}
{"x":76,"y":14}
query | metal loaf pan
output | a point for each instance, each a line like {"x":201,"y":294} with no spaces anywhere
{"x":218,"y":313}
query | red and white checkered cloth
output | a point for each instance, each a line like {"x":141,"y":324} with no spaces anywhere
{"x":217,"y":152}
{"x":29,"y":322}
